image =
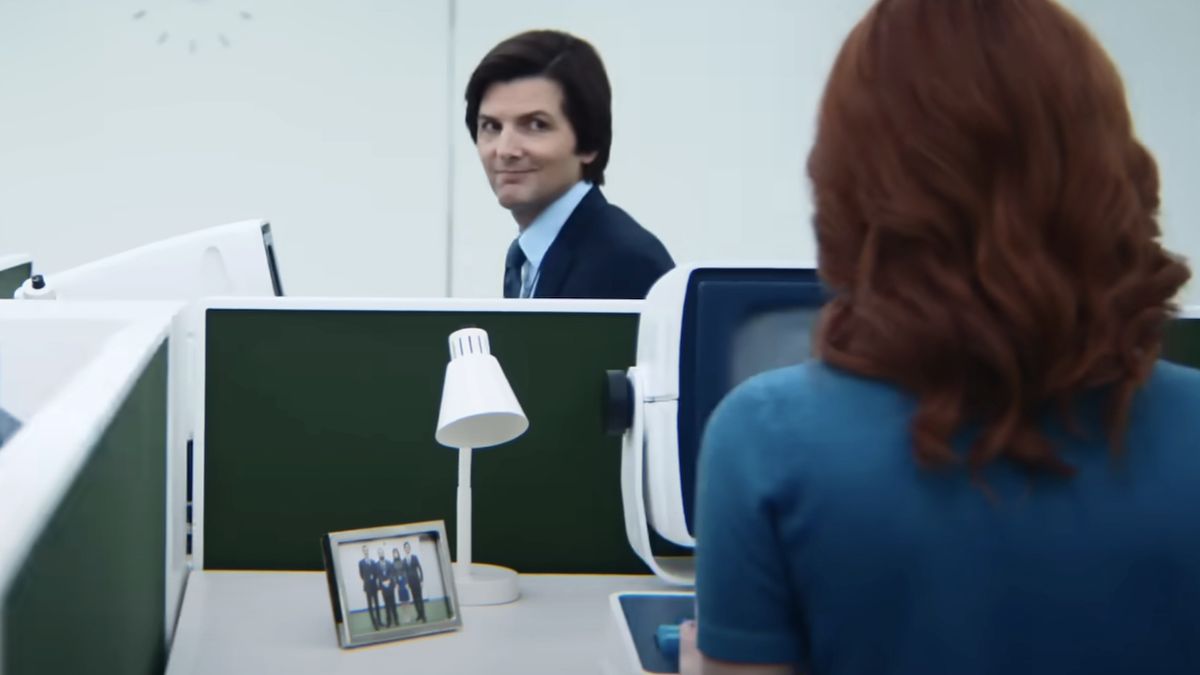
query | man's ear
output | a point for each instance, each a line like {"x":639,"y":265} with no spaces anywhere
{"x":588,"y":157}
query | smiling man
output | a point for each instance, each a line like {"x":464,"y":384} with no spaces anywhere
{"x":539,"y":109}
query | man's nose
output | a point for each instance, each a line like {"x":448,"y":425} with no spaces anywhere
{"x":508,"y":145}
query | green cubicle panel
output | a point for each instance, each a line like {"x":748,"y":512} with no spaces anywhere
{"x":323,"y":420}
{"x":1181,"y":343}
{"x":11,"y":278}
{"x":90,"y":596}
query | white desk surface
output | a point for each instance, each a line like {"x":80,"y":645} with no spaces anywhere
{"x":281,"y":622}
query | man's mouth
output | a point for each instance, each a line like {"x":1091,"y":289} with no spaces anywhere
{"x":511,"y":176}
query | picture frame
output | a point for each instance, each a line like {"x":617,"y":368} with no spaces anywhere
{"x":390,"y":583}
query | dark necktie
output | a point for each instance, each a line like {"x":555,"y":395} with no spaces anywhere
{"x":512,"y":270}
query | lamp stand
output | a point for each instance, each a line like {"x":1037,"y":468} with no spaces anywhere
{"x":477,"y":584}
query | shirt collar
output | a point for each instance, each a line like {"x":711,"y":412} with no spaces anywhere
{"x":541,"y":233}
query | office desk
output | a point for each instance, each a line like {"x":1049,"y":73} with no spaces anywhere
{"x":281,"y":622}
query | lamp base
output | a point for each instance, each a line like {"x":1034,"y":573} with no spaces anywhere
{"x":485,"y":584}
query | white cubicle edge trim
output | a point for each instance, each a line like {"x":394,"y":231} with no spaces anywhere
{"x":116,"y":311}
{"x":525,"y":305}
{"x":630,"y":662}
{"x":10,"y":260}
{"x":117,"y":315}
{"x":676,"y":571}
{"x":41,"y":461}
{"x":227,"y":259}
{"x":425,"y":304}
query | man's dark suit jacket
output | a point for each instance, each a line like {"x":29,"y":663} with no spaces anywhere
{"x":370,"y":578}
{"x":601,"y":252}
{"x":413,"y":572}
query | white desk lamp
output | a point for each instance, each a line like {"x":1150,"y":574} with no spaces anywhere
{"x":479,"y":410}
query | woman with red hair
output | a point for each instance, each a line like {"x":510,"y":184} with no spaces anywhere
{"x":987,"y":469}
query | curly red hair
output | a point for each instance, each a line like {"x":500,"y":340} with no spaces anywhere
{"x":986,"y":222}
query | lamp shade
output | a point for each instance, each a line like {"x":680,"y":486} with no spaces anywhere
{"x":479,"y":409}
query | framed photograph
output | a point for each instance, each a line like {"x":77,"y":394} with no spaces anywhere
{"x":390,"y":583}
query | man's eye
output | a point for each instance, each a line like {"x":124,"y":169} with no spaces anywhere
{"x":488,"y":126}
{"x":539,"y":125}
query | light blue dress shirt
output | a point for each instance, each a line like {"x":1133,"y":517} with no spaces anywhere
{"x":541,"y":233}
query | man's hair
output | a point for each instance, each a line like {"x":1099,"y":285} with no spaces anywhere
{"x":570,"y":62}
{"x":987,"y":223}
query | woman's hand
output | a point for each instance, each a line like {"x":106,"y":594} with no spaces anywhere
{"x":689,"y":654}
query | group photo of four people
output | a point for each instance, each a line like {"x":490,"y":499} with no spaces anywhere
{"x":391,"y":583}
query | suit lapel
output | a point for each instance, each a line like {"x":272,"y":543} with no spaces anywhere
{"x":554,"y":269}
{"x":556,"y":266}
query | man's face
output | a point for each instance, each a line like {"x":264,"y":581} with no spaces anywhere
{"x":381,"y":554}
{"x":407,"y":548}
{"x":365,"y":554}
{"x":527,"y":145}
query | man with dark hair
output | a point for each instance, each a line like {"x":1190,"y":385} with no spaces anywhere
{"x":415,"y":576}
{"x":369,"y":574}
{"x":539,"y":110}
{"x":402,"y":595}
{"x":387,"y":587}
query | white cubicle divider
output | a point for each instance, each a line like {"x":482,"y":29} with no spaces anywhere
{"x":11,"y":260}
{"x":233,"y":259}
{"x":15,"y":268}
{"x":65,"y":369}
{"x":44,"y":345}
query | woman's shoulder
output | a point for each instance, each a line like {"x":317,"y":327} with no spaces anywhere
{"x":806,"y":397}
{"x":811,"y":385}
{"x":1171,"y":394}
{"x":1174,"y":377}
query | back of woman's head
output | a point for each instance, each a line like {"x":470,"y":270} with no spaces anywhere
{"x":986,"y":221}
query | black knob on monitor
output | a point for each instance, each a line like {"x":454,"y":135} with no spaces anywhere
{"x":618,"y":402}
{"x":37,"y":281}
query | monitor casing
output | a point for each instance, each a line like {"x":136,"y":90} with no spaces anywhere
{"x":656,"y":485}
{"x":233,"y":259}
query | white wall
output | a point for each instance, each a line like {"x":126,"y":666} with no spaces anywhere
{"x":1154,"y":44}
{"x":329,"y":118}
{"x":341,"y":121}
